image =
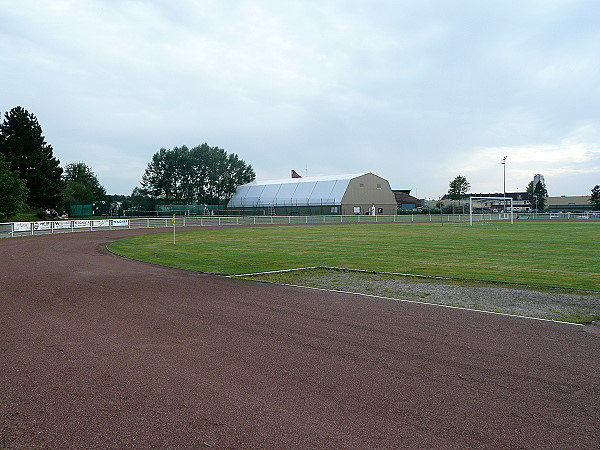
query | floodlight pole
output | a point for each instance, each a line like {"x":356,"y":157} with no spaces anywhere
{"x":504,"y":167}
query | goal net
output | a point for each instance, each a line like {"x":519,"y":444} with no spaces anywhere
{"x":492,"y":208}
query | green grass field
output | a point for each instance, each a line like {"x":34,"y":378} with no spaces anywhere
{"x":564,"y":255}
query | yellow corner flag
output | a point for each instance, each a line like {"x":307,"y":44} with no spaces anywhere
{"x":173,"y":219}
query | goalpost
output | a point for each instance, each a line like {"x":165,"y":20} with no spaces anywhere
{"x":504,"y":199}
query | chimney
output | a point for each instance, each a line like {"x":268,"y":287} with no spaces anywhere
{"x":295,"y":174}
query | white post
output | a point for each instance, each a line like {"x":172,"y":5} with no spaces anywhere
{"x":471,"y":211}
{"x":173,"y":220}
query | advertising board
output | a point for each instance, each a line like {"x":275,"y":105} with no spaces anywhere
{"x":120,"y":222}
{"x":82,"y":223}
{"x":38,"y":226}
{"x":63,"y":225}
{"x":22,"y":226}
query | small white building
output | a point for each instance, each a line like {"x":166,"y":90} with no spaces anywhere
{"x":343,"y":194}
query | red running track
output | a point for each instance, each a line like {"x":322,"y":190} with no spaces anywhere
{"x":97,"y":351}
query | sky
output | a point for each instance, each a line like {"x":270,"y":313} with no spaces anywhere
{"x":415,"y":91}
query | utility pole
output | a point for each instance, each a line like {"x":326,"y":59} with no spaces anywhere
{"x":504,"y":166}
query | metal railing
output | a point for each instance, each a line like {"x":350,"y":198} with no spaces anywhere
{"x":12,"y":229}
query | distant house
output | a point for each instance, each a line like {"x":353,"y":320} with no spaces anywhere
{"x":576,"y":203}
{"x":406,"y":201}
{"x":522,"y":201}
{"x":362,"y":194}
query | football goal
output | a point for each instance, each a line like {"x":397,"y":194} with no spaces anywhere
{"x":494,"y":206}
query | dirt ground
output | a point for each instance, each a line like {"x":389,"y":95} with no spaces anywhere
{"x":550,"y":304}
{"x":98,"y":351}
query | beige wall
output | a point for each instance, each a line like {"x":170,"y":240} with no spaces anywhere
{"x":566,"y":200}
{"x":366,"y":190}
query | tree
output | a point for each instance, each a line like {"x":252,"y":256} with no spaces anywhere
{"x":530,"y":188}
{"x":539,"y":196}
{"x":28,"y":154}
{"x":595,"y":198}
{"x":141,"y":201}
{"x":458,"y":188}
{"x":202,"y":174}
{"x":77,"y":192}
{"x":13,"y":191}
{"x":81,"y":183}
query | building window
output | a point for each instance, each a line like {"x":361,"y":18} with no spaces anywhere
{"x":334,"y":210}
{"x":357,"y":210}
{"x":362,"y":185}
{"x":379,"y":186}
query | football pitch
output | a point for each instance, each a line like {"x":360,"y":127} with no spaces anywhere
{"x":536,"y":254}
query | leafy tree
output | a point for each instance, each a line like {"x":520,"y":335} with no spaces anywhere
{"x":202,"y":174}
{"x":539,"y":196}
{"x":141,"y":201}
{"x":25,"y":149}
{"x":78,"y":192}
{"x":13,"y":191}
{"x":595,"y":198}
{"x":82,"y":183}
{"x":459,"y":187}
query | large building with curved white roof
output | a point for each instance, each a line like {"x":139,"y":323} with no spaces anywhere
{"x":343,"y":194}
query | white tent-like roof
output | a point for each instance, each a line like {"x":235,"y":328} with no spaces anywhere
{"x":309,"y":191}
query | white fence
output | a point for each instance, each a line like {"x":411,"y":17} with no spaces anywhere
{"x":11,"y":229}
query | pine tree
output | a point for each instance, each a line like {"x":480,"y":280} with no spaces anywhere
{"x":26,"y":151}
{"x":13,"y":193}
{"x":539,"y":196}
{"x":595,"y":198}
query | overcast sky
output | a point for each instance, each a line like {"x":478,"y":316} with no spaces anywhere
{"x":415,"y":91}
